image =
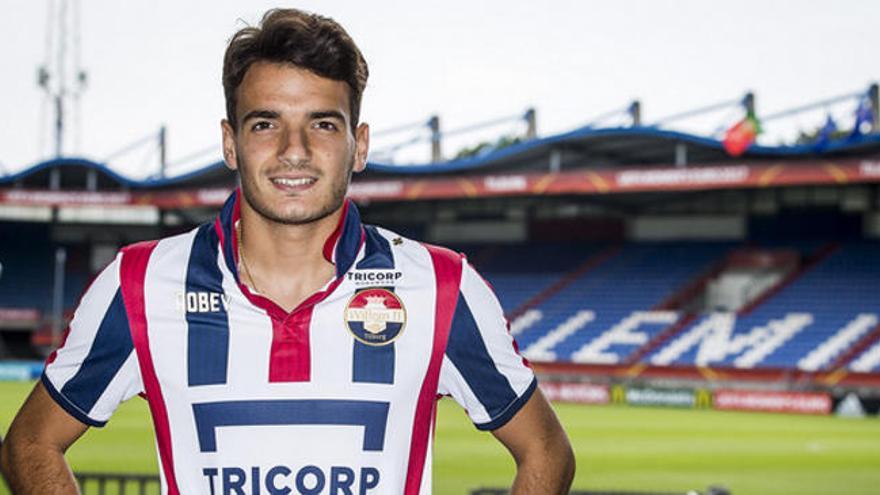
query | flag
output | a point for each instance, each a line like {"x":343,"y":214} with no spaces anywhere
{"x":738,"y":138}
{"x":825,"y":133}
{"x":864,"y":119}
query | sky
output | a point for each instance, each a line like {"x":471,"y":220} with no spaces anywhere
{"x":159,"y":62}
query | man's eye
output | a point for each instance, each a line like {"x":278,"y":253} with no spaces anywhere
{"x":262,"y":125}
{"x":326,"y":125}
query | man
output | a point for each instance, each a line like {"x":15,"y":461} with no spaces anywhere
{"x":286,"y":347}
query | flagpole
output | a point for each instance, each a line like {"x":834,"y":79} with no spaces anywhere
{"x":874,"y":97}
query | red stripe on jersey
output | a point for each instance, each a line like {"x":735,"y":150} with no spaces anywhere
{"x":447,"y":270}
{"x":51,"y":358}
{"x":290,"y":359}
{"x":132,"y":273}
{"x":329,"y":250}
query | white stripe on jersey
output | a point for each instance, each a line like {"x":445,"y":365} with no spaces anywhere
{"x":453,"y":384}
{"x":491,"y":324}
{"x":84,"y":326}
{"x":124,"y":385}
{"x":249,"y":328}
{"x":490,"y":317}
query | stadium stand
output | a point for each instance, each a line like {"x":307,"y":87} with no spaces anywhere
{"x":27,"y":266}
{"x":868,"y":361}
{"x":613,"y":299}
{"x":804,"y":326}
{"x":28,"y":263}
{"x":516,"y":280}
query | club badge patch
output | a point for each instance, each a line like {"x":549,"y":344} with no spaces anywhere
{"x":375,"y":316}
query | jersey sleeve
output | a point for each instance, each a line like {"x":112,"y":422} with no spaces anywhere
{"x":482,"y":369}
{"x":95,"y":368}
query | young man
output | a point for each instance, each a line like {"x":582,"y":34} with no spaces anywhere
{"x":286,"y":347}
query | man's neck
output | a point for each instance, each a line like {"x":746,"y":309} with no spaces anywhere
{"x":284,"y":262}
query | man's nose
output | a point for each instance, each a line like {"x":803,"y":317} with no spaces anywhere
{"x":294,"y":147}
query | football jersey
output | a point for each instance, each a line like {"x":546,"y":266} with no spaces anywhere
{"x":335,"y":397}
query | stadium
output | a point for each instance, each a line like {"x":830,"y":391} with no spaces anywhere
{"x":702,"y":309}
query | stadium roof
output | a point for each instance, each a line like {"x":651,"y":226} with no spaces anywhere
{"x":582,"y":148}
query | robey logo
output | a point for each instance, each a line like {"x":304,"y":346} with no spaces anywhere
{"x":202,"y":302}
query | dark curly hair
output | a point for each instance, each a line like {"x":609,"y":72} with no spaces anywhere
{"x":309,"y":41}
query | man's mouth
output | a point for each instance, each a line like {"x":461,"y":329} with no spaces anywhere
{"x":293,"y":183}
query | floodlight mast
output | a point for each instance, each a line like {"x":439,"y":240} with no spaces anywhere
{"x":59,"y":86}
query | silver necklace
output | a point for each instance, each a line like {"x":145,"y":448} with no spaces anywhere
{"x":244,"y":263}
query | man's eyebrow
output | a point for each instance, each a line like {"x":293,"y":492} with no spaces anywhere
{"x":327,"y":114}
{"x":260,"y":114}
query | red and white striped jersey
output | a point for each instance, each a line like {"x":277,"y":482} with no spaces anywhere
{"x":335,"y":397}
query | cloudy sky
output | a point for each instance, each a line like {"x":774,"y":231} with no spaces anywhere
{"x":158,"y":62}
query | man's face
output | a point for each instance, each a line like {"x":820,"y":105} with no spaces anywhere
{"x":293,"y":146}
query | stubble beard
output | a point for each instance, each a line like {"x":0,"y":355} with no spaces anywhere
{"x":265,"y":210}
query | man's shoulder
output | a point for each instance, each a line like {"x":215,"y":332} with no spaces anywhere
{"x":414,"y":253}
{"x":404,"y":244}
{"x":172,"y":244}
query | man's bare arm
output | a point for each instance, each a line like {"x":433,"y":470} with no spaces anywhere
{"x":544,"y":460}
{"x":32,"y":456}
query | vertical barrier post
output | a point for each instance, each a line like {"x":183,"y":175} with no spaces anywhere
{"x":635,"y":112}
{"x":531,"y":124}
{"x":436,"y":152}
{"x":874,"y":96}
{"x":163,"y":153}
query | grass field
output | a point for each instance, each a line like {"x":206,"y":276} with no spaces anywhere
{"x":617,"y":447}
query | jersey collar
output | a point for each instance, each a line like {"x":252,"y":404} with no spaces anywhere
{"x":341,"y":248}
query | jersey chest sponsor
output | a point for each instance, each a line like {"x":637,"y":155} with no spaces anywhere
{"x":202,"y":302}
{"x":374,"y":277}
{"x":288,"y":480}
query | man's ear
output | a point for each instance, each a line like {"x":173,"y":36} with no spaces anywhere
{"x":229,"y":145}
{"x":362,"y":146}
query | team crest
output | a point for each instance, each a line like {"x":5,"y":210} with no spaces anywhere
{"x":375,"y":316}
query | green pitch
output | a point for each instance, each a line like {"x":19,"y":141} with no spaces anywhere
{"x":617,"y":447}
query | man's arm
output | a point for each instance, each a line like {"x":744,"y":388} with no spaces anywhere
{"x":32,"y":455}
{"x":544,"y":460}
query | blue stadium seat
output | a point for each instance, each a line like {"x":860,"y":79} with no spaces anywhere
{"x":839,"y":293}
{"x":638,"y":278}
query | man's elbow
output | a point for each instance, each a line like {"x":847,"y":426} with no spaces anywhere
{"x":553,"y":463}
{"x":4,"y":459}
{"x":14,"y":454}
{"x":569,"y":464}
{"x":563,"y":458}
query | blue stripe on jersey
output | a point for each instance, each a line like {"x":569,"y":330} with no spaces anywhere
{"x":374,"y":364}
{"x":377,"y":251}
{"x":67,"y":405}
{"x":228,"y":228}
{"x":110,"y":349}
{"x":373,"y":416}
{"x":349,"y":241}
{"x":206,"y":315}
{"x":468,"y":353}
{"x":511,"y":410}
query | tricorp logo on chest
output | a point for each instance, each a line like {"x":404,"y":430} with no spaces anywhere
{"x":374,"y":276}
{"x":202,"y":302}
{"x":375,"y":316}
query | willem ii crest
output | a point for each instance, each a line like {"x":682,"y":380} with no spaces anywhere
{"x":375,"y":316}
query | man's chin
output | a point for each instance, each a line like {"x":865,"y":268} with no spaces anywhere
{"x":292,"y":210}
{"x":297,"y":216}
